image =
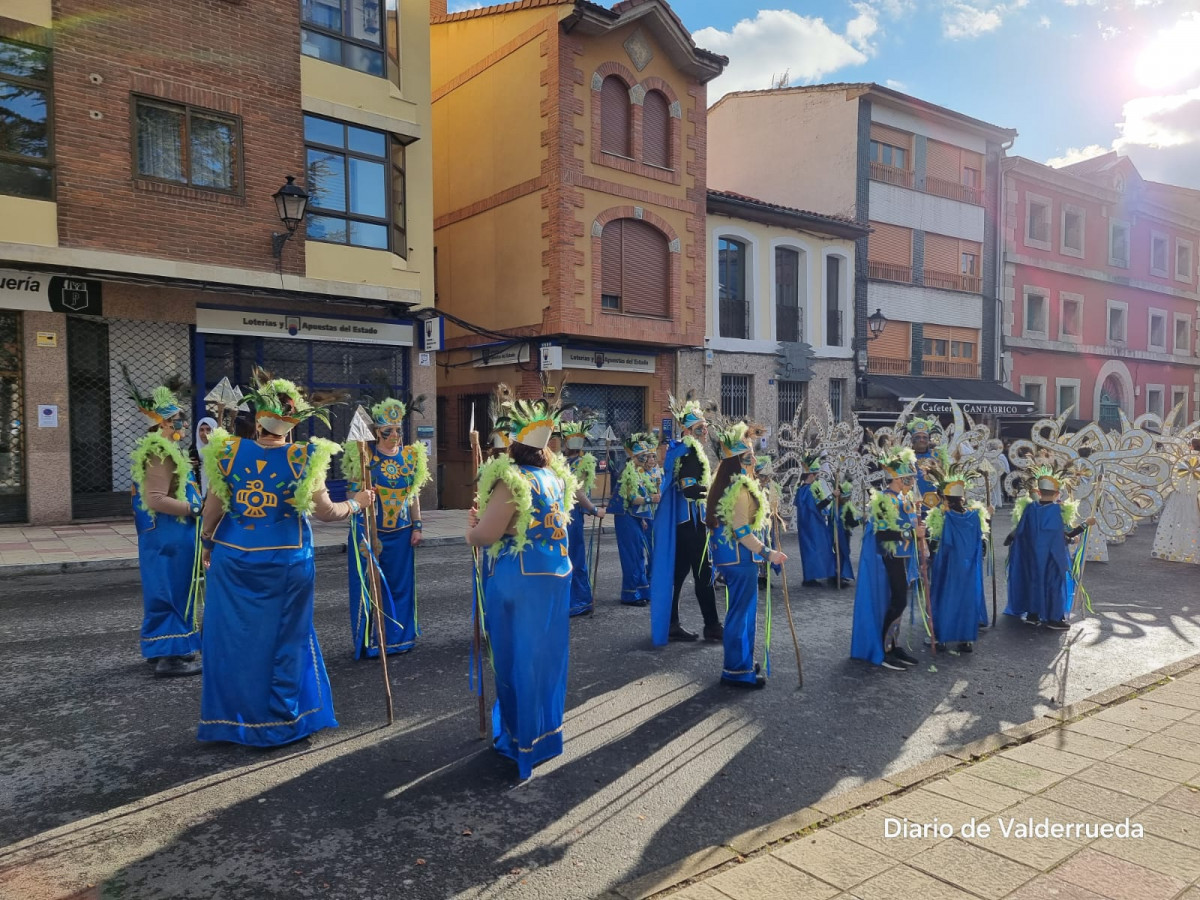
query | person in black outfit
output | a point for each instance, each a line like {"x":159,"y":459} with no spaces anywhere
{"x":692,"y":474}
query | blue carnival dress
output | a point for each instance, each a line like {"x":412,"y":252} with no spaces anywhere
{"x":1039,"y":567}
{"x":167,"y":551}
{"x":814,"y":529}
{"x":392,"y":478}
{"x":872,"y":592}
{"x":526,"y":600}
{"x":674,"y":509}
{"x":956,"y":576}
{"x":646,"y":513}
{"x":581,"y":582}
{"x":632,"y":539}
{"x":264,"y":676}
{"x":924,"y":485}
{"x":740,"y":570}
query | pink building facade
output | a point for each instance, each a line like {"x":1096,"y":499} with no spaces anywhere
{"x":1100,"y":303}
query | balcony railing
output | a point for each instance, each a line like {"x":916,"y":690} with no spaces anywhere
{"x":891,"y":175}
{"x":734,"y":318}
{"x":888,"y":365}
{"x":949,"y":368}
{"x":952,"y":281}
{"x":952,"y":190}
{"x":787,"y":322}
{"x":888,"y":272}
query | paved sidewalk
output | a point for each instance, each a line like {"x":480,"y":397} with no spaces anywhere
{"x":38,"y":549}
{"x":1124,"y":761}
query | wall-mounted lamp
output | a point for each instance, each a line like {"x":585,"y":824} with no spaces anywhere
{"x":876,"y":322}
{"x":290,"y":203}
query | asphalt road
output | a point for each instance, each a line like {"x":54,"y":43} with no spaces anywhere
{"x":105,"y":791}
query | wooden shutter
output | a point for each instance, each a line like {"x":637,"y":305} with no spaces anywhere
{"x":656,"y":130}
{"x":610,"y":258}
{"x":941,"y":253}
{"x":614,"y":116}
{"x":894,"y":342}
{"x":890,"y":244}
{"x":942,"y":161}
{"x":647,"y":267}
{"x":893,"y":136}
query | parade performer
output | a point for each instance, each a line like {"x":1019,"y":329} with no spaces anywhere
{"x":397,"y":473}
{"x":920,"y":433}
{"x":957,"y":529}
{"x":583,"y":467}
{"x":166,"y":504}
{"x":632,"y":507}
{"x":679,"y":537}
{"x":1177,"y":537}
{"x":815,"y":522}
{"x":887,"y":564}
{"x":524,"y":505}
{"x":648,"y":463}
{"x":737,"y":513}
{"x":1040,"y":584}
{"x":204,"y":429}
{"x":265,"y":681}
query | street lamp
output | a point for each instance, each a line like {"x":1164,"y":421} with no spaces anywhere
{"x":877,"y":321}
{"x":290,"y":203}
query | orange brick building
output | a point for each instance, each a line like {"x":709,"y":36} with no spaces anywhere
{"x":569,"y":208}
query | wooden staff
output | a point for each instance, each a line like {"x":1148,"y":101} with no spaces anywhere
{"x":923,"y":567}
{"x":987,"y":482}
{"x":837,"y":534}
{"x":477,"y":557}
{"x":376,"y":601}
{"x":787,"y":603}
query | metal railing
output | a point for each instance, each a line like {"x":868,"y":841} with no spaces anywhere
{"x":952,"y":281}
{"x":888,"y":272}
{"x":952,"y":190}
{"x":735,"y":318}
{"x":888,"y":365}
{"x":891,"y":175}
{"x":787,"y":323}
{"x":949,"y":368}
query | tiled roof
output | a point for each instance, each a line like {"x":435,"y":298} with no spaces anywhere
{"x":815,"y":218}
{"x":495,"y":10}
{"x":1093,"y":165}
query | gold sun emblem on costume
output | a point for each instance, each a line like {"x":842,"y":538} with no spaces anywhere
{"x":390,"y":469}
{"x":556,"y":522}
{"x":256,"y":500}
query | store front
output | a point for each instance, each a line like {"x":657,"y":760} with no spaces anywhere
{"x":984,"y":401}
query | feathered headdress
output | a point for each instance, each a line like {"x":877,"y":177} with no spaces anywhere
{"x":1051,"y":476}
{"x":688,"y":413}
{"x":279,"y":405}
{"x":640,"y":442}
{"x":498,"y":409}
{"x":923,"y":426}
{"x":952,"y":475}
{"x":575,"y":434}
{"x":532,"y":422}
{"x":160,"y":404}
{"x":897,"y":462}
{"x":739,"y":438}
{"x":763,"y":465}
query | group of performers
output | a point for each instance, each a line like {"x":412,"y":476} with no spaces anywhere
{"x":237,"y":541}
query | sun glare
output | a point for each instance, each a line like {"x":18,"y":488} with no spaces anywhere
{"x":1171,"y":56}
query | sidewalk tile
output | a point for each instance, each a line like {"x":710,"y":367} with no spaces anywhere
{"x":699,"y":892}
{"x":1186,"y":685}
{"x":1135,"y":715}
{"x":680,"y":870}
{"x":1098,"y":801}
{"x":1184,"y":731}
{"x":1030,"y":728}
{"x":966,"y":788}
{"x":1183,"y":798}
{"x":1154,"y":853}
{"x":903,"y":881}
{"x":1164,"y":745}
{"x":1094,"y":726}
{"x":1193,"y":894}
{"x":1168,"y":696}
{"x":1166,"y":710}
{"x":749,"y":841}
{"x":921,"y":771}
{"x":1171,"y":824}
{"x":1014,"y":774}
{"x":983,"y":746}
{"x":836,"y":804}
{"x":833,"y":858}
{"x":1081,"y":744}
{"x":971,"y":867}
{"x":1118,"y":878}
{"x":1155,"y":764}
{"x":1050,"y":887}
{"x":920,"y":807}
{"x":1044,"y":757}
{"x":1112,"y":694}
{"x":766,"y":878}
{"x":1142,"y":681}
{"x":1042,"y":853}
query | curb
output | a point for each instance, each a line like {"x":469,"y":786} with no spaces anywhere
{"x":826,"y":812}
{"x":131,"y":562}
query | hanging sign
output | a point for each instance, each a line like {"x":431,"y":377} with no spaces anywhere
{"x":46,"y":292}
{"x":304,"y":327}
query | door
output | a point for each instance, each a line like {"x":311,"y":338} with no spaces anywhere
{"x":12,"y":420}
{"x":92,"y":494}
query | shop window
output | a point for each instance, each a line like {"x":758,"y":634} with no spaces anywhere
{"x":616,"y":128}
{"x":184,"y":144}
{"x":735,"y":396}
{"x":733,"y":311}
{"x":26,"y":145}
{"x":346,"y":33}
{"x":357,"y":186}
{"x":656,"y":130}
{"x":635,"y":269}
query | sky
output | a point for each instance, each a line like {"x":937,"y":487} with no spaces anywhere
{"x":1075,"y":78}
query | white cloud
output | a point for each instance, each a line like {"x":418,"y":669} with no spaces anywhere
{"x":1044,"y":22}
{"x":962,"y":20}
{"x":896,"y":85}
{"x":1076,"y":154}
{"x":1170,"y":57}
{"x":778,"y":40}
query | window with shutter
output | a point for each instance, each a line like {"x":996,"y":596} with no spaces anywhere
{"x":942,"y":161}
{"x":941,"y":262}
{"x":635,"y":269}
{"x":891,"y":352}
{"x":889,"y":252}
{"x":656,"y":130}
{"x":615,"y":112}
{"x":610,"y":265}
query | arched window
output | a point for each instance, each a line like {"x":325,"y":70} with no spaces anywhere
{"x":615,"y":130}
{"x":791,"y":279}
{"x":656,"y":130}
{"x":733,"y":311}
{"x":635,"y":269}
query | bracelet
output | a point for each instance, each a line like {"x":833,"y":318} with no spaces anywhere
{"x":355,"y":507}
{"x":418,"y":525}
{"x":207,"y":542}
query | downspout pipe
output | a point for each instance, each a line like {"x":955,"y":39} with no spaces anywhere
{"x":1000,"y":239}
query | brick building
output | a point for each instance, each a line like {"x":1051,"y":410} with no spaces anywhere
{"x":570,"y":207}
{"x":137,"y":214}
{"x":1100,"y":290}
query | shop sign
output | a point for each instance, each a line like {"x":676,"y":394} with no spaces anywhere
{"x":45,"y":292}
{"x":976,"y":407}
{"x":508,"y":356}
{"x":610,"y":360}
{"x":305,"y":327}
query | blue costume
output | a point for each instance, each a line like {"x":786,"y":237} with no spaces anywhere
{"x":584,"y":469}
{"x":526,"y":600}
{"x":738,"y":567}
{"x":814,"y":528}
{"x":887,"y":566}
{"x":633,"y":520}
{"x":956,"y":573}
{"x":396,"y":480}
{"x":264,"y":677}
{"x":924,"y":485}
{"x":1039,"y":567}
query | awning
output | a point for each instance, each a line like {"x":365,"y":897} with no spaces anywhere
{"x":974,"y":396}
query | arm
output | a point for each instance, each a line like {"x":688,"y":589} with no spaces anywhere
{"x":414,"y":515}
{"x":325,"y":510}
{"x":690,"y":473}
{"x":585,"y":503}
{"x":746,"y":537}
{"x":157,"y":489}
{"x":496,"y":518}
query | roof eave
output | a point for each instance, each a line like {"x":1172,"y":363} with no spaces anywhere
{"x":961,"y":120}
{"x":766,"y":215}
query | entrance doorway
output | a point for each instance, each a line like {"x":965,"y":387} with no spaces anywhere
{"x":13,"y":506}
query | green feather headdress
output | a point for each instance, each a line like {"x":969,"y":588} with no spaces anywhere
{"x":641,"y":442}
{"x":687,"y":413}
{"x":532,"y":422}
{"x":279,"y":405}
{"x":575,"y":434}
{"x":898,"y":462}
{"x":739,"y":438}
{"x":952,"y":477}
{"x":1051,"y":477}
{"x":157,"y":406}
{"x":924,"y":426}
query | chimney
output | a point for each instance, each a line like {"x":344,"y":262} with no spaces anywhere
{"x":437,"y":8}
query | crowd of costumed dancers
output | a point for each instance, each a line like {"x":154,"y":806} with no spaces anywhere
{"x":226,"y":550}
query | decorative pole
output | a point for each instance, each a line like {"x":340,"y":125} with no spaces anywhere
{"x":477,"y":557}
{"x":987,"y":481}
{"x":787,"y":604}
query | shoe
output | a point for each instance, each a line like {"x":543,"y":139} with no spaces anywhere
{"x":891,"y":662}
{"x":636,"y":603}
{"x":1032,"y":619}
{"x":966,"y":647}
{"x":941,"y":646}
{"x":1060,"y":625}
{"x":760,"y":681}
{"x":714,"y":633}
{"x":905,"y":657}
{"x":679,"y":633}
{"x":810,"y":583}
{"x":177,"y":666}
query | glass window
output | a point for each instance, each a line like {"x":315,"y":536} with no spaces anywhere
{"x":26,"y":148}
{"x":1158,"y":331}
{"x":936,"y":347}
{"x":1118,"y":244}
{"x":1038,"y":226}
{"x":1073,"y":230}
{"x":889,"y":155}
{"x":735,"y":396}
{"x":344,"y":32}
{"x":1067,"y":398}
{"x":731,"y":286}
{"x":1183,"y":260}
{"x":1035,"y":313}
{"x":1071,"y":326}
{"x":970,"y":177}
{"x":962,"y":350}
{"x":833,"y":301}
{"x":1154,"y":401}
{"x":970,"y":264}
{"x":355,"y":186}
{"x":1116,"y":324}
{"x":1158,"y":254}
{"x":185,"y":145}
{"x":1033,"y":392}
{"x":837,"y":391}
{"x":791,"y":397}
{"x":1183,"y":329}
{"x":787,"y":294}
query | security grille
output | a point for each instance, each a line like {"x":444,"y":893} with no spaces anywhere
{"x":735,"y":396}
{"x":12,"y":421}
{"x":837,"y":391}
{"x":105,"y":422}
{"x":621,"y":408}
{"x":791,"y":395}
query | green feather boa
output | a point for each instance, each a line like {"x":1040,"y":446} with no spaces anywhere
{"x":156,"y":446}
{"x":884,"y":512}
{"x":1019,"y":509}
{"x":633,"y":478}
{"x":935,"y":519}
{"x":705,"y":469}
{"x":585,"y":473}
{"x":729,"y":500}
{"x":211,"y":457}
{"x":321,"y":453}
{"x":351,"y":462}
{"x":504,"y":470}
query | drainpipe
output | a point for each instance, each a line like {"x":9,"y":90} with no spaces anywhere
{"x":999,"y":311}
